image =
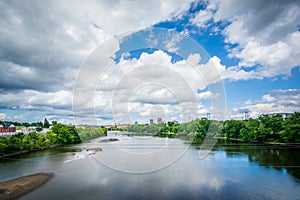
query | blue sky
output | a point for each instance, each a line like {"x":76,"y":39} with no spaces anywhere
{"x":147,"y":56}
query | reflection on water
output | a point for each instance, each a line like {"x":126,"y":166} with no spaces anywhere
{"x":282,"y":158}
{"x":279,"y":157}
{"x":230,"y":171}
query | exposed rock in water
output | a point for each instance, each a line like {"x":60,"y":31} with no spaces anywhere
{"x":110,"y":140}
{"x":94,"y":150}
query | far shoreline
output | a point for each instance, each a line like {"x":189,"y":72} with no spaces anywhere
{"x":28,"y":151}
{"x":254,"y":141}
{"x":178,"y":135}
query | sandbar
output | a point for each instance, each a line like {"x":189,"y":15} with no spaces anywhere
{"x":13,"y":189}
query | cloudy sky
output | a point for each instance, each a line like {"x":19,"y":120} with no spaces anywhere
{"x":125,"y":61}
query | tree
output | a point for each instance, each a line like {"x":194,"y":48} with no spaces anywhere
{"x":39,"y":129}
{"x":46,"y":123}
{"x":215,"y":128}
{"x":13,"y":145}
{"x":3,"y":144}
{"x":272,"y":126}
{"x":232,"y":128}
{"x":165,"y":129}
{"x":88,"y":133}
{"x":171,"y":124}
{"x":251,"y":129}
{"x":174,"y":128}
{"x":291,"y":129}
{"x":66,"y":134}
{"x":203,"y":126}
{"x":276,"y":123}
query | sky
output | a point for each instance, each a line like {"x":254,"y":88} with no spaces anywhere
{"x":106,"y":62}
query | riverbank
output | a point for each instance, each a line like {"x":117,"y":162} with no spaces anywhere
{"x":13,"y":189}
{"x":46,"y":147}
{"x":254,"y":141}
{"x":28,"y":151}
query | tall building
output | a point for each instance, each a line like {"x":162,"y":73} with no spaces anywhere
{"x":159,"y":120}
{"x":246,"y":115}
{"x":208,"y":116}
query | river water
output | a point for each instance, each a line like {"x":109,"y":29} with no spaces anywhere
{"x":161,"y":168}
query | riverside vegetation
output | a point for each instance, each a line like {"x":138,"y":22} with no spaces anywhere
{"x":59,"y":134}
{"x":263,"y":129}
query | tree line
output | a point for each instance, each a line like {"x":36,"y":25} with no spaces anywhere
{"x":262,"y":129}
{"x":265,"y":128}
{"x":39,"y":124}
{"x":59,"y":134}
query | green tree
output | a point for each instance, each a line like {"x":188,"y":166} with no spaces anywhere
{"x":174,"y":129}
{"x":20,"y":135}
{"x":87,"y":133}
{"x":252,"y":129}
{"x":170,"y":124}
{"x":14,"y":145}
{"x":215,"y":128}
{"x":165,"y":129}
{"x":291,"y":129}
{"x":270,"y":127}
{"x":46,"y":123}
{"x":39,"y":129}
{"x":3,"y":144}
{"x":232,"y":128}
{"x":65,"y":134}
{"x":276,"y":123}
{"x":28,"y":143}
{"x":202,"y":128}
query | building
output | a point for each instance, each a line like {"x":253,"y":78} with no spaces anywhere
{"x":208,"y":116}
{"x":30,"y":129}
{"x":175,"y":122}
{"x":159,"y":120}
{"x":151,"y":121}
{"x":7,"y":130}
{"x":246,"y":115}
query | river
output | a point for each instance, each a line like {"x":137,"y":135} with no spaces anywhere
{"x":140,"y":167}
